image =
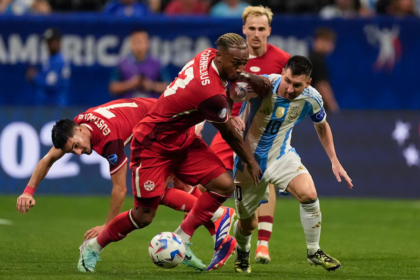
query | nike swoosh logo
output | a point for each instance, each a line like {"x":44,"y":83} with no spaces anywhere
{"x":188,"y":258}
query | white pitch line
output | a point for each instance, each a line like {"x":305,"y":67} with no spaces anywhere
{"x":5,"y":222}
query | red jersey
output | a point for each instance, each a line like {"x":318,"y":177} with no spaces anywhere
{"x":272,"y":62}
{"x":197,"y":94}
{"x":112,"y":126}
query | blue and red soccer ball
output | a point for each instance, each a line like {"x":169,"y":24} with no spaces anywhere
{"x":167,"y":250}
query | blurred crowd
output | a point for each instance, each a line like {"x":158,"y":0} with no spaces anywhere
{"x":218,"y":8}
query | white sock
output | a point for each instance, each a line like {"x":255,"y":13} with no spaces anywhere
{"x":182,"y":234}
{"x":94,"y":245}
{"x":219,"y":212}
{"x":310,"y":215}
{"x":262,"y":242}
{"x":244,"y":242}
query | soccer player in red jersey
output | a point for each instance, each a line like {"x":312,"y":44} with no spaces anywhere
{"x":263,"y":59}
{"x":163,"y":143}
{"x":107,"y":129}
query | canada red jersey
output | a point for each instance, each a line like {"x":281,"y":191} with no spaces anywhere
{"x":197,"y":94}
{"x":272,"y":62}
{"x":112,"y":126}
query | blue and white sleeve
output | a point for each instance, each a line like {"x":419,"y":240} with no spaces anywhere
{"x":318,"y":114}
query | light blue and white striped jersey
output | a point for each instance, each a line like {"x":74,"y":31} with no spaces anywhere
{"x":270,"y":121}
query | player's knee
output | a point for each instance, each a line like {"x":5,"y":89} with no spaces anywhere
{"x":308,"y":196}
{"x":222,"y":185}
{"x":143,"y":216}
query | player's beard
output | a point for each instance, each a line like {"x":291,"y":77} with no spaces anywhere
{"x":88,"y":152}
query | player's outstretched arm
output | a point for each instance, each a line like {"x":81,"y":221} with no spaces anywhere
{"x":325,"y":136}
{"x":235,"y":141}
{"x":119,"y":190}
{"x":262,"y":86}
{"x":26,"y":200}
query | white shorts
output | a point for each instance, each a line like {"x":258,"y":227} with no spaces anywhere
{"x":249,"y":197}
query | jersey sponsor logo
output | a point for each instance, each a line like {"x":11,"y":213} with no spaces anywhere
{"x":113,"y":159}
{"x":293,"y":112}
{"x":97,"y":121}
{"x":149,"y":186}
{"x":280,"y":112}
{"x":255,"y":69}
{"x":222,"y":113}
{"x":321,"y":114}
{"x":204,"y":73}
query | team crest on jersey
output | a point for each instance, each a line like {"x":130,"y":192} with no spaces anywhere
{"x":293,"y":112}
{"x":280,"y":112}
{"x":255,"y":69}
{"x":222,"y":113}
{"x":149,"y":186}
{"x":113,"y":159}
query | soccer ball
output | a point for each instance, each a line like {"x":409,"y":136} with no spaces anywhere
{"x":167,"y":250}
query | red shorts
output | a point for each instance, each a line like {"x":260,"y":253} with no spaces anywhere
{"x":196,"y":164}
{"x":222,"y":150}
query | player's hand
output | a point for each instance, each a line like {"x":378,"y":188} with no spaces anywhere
{"x":93,"y":232}
{"x":255,"y":171}
{"x":238,"y":123}
{"x":261,"y":85}
{"x":339,"y":172}
{"x":24,"y":202}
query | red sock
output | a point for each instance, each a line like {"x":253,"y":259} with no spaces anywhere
{"x":196,"y":192}
{"x":117,"y":229}
{"x":178,"y":200}
{"x":265,"y":227}
{"x":202,"y":211}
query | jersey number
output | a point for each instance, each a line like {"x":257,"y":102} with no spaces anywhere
{"x":185,"y":77}
{"x":238,"y":193}
{"x":273,"y":127}
{"x":104,"y":111}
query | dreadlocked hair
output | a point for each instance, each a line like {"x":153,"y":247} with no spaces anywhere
{"x":231,"y":40}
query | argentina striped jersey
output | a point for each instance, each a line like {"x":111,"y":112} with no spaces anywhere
{"x":270,"y":121}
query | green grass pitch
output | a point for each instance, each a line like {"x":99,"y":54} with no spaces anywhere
{"x":373,"y":239}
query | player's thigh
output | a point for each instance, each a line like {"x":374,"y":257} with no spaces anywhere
{"x":200,"y":165}
{"x":248,"y":197}
{"x":284,"y":170}
{"x":149,"y":172}
{"x":267,"y":209}
{"x":303,"y":188}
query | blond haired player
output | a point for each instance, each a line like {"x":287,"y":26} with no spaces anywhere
{"x":263,"y":59}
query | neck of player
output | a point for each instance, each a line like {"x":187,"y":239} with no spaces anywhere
{"x":87,"y":131}
{"x":258,"y":51}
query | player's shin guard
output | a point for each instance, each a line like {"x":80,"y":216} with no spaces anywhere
{"x":310,"y":215}
{"x":265,"y":227}
{"x":243,"y":241}
{"x":178,"y":200}
{"x":202,"y":212}
{"x":117,"y":229}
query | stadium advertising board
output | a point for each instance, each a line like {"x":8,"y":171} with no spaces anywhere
{"x":380,"y":151}
{"x":372,"y":56}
